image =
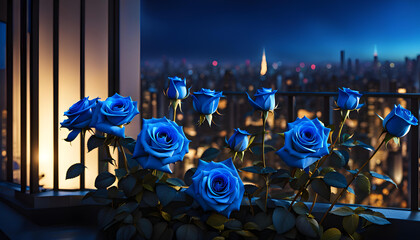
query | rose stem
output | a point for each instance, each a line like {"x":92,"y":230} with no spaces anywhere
{"x":354,"y":177}
{"x":321,"y":161}
{"x":313,"y":203}
{"x":123,"y":154}
{"x":174,"y":108}
{"x":264,"y":118}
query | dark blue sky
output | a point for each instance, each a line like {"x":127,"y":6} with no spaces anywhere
{"x":290,"y":30}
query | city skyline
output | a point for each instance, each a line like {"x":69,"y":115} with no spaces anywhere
{"x":288,"y":30}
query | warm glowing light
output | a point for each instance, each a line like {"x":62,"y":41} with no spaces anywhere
{"x":402,"y":90}
{"x":302,"y":65}
{"x":392,"y":65}
{"x":289,"y":82}
{"x":313,"y":66}
{"x":329,"y":66}
{"x":263,"y":64}
{"x":214,"y":63}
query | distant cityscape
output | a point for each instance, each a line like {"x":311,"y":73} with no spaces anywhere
{"x":376,"y":75}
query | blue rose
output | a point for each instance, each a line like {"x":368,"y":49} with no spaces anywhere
{"x":217,"y":186}
{"x":305,"y":142}
{"x":177,"y":88}
{"x":264,"y":99}
{"x":205,"y":102}
{"x":348,"y":99}
{"x":239,"y":141}
{"x":398,"y":122}
{"x":79,"y":117}
{"x":112,"y":114}
{"x":160,"y":143}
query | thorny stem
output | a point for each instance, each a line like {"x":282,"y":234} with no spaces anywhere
{"x":174,"y":108}
{"x":351,"y":181}
{"x":123,"y":154}
{"x":313,"y":203}
{"x":264,"y":118}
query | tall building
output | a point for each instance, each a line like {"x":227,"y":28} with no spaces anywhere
{"x":349,"y":66}
{"x":342,"y":56}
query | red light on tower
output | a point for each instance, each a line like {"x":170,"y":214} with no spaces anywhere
{"x":214,"y":63}
{"x":313,"y":66}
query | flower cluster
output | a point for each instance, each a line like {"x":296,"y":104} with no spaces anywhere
{"x":217,"y":187}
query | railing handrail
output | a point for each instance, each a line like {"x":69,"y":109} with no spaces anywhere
{"x":332,"y":94}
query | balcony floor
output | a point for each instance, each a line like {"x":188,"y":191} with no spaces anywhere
{"x":16,"y":226}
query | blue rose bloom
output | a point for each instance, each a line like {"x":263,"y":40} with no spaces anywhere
{"x":305,"y":142}
{"x":239,"y":141}
{"x":398,"y":122}
{"x":177,"y":88}
{"x":160,"y":143}
{"x":217,"y":186}
{"x":264,"y":99}
{"x":206,"y":101}
{"x":112,"y":114}
{"x":348,"y":99}
{"x":79,"y":117}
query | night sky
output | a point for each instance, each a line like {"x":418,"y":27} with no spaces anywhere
{"x":289,"y":30}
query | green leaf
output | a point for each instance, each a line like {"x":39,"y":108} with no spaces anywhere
{"x":94,"y":142}
{"x":307,"y":226}
{"x":362,"y":184}
{"x":331,"y":234}
{"x":175,"y":182}
{"x":126,"y":232}
{"x":374,"y":219}
{"x":283,"y":220}
{"x":188,"y":176}
{"x":300,"y":208}
{"x":383,"y":177}
{"x":129,"y":143}
{"x":188,"y":232}
{"x":217,"y":221}
{"x":320,"y":187}
{"x":326,"y":170}
{"x":252,"y":169}
{"x":104,"y":180}
{"x":342,"y":211}
{"x":159,"y":230}
{"x":106,"y":216}
{"x":257,"y":150}
{"x":127,"y":184}
{"x":165,"y":193}
{"x":263,"y":220}
{"x":339,"y":158}
{"x":246,"y":234}
{"x":350,"y":143}
{"x":120,"y":172}
{"x":250,"y":189}
{"x":335,"y":179}
{"x":150,"y":198}
{"x":75,"y":170}
{"x":233,"y":224}
{"x":251,"y":226}
{"x":210,"y":154}
{"x":350,"y":223}
{"x":145,"y":227}
{"x":259,"y":170}
{"x":300,"y":181}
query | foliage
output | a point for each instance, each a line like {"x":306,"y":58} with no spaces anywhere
{"x":150,"y":204}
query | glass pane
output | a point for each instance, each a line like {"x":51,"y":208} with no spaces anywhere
{"x":3,"y":113}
